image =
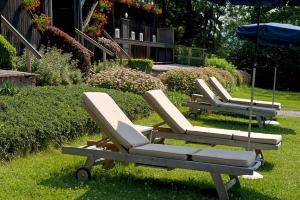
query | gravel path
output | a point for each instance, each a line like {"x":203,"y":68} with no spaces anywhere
{"x":289,"y":113}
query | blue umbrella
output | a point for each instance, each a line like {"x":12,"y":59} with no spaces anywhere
{"x":272,"y":35}
{"x":258,"y":4}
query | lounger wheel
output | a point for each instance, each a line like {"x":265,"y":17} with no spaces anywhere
{"x":83,"y":174}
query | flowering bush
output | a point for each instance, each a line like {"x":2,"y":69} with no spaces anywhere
{"x":31,"y":4}
{"x":111,"y":45}
{"x":60,"y":39}
{"x":41,"y":22}
{"x":128,"y":80}
{"x":183,"y":79}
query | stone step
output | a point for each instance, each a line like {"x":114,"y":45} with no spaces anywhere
{"x":19,"y":79}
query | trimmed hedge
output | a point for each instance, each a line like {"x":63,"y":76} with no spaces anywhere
{"x":8,"y":54}
{"x":144,"y":65}
{"x":127,"y":80}
{"x":62,"y":40}
{"x":183,"y":79}
{"x":221,"y":63}
{"x":38,"y":117}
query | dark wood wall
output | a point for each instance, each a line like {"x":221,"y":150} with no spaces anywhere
{"x":21,"y":20}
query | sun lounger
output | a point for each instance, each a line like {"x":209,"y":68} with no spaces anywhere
{"x":226,"y":97}
{"x":127,"y":144}
{"x":210,"y":102}
{"x":182,"y":129}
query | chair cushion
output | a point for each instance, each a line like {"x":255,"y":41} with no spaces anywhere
{"x":207,"y":92}
{"x":167,"y":111}
{"x":224,"y":157}
{"x":218,"y":87}
{"x":164,"y":151}
{"x":109,"y":116}
{"x":210,"y":132}
{"x":258,"y":137}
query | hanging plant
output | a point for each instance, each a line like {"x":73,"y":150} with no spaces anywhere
{"x":157,"y":10}
{"x":148,"y":7}
{"x":31,"y":4}
{"x":105,"y":5}
{"x":41,"y":22}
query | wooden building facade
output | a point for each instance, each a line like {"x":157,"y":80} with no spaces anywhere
{"x":21,"y":20}
{"x":134,"y":29}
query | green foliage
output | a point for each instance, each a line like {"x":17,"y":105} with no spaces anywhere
{"x":221,"y":63}
{"x":128,"y":80}
{"x":55,"y":68}
{"x":184,"y":56}
{"x":183,"y":79}
{"x":38,"y":117}
{"x":8,"y":89}
{"x":8,"y":54}
{"x":100,"y":66}
{"x":144,"y":65}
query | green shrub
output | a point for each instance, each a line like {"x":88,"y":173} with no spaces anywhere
{"x":55,"y":68}
{"x":243,"y":78}
{"x":38,"y":117}
{"x":100,"y":66}
{"x":196,"y":62}
{"x":183,"y":79}
{"x":8,"y":89}
{"x":144,"y":65}
{"x":8,"y":54}
{"x":220,"y":63}
{"x":128,"y":80}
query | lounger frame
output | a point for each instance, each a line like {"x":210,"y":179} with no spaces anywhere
{"x":197,"y":106}
{"x":96,"y":153}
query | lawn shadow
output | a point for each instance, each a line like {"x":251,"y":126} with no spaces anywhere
{"x":266,"y":167}
{"x":109,"y":185}
{"x":240,"y":123}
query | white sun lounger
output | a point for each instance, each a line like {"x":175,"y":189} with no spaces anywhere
{"x":210,"y":102}
{"x":226,"y":97}
{"x":130,"y":145}
{"x":182,"y":129}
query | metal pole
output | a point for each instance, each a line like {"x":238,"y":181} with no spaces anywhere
{"x":253,"y":76}
{"x":274,"y":86}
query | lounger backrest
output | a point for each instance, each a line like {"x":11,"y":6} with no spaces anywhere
{"x":167,"y":111}
{"x":206,"y":91}
{"x":218,"y":87}
{"x":112,"y":119}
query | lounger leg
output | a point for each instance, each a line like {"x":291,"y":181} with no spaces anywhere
{"x":220,"y":186}
{"x":234,"y":181}
{"x":260,"y":153}
{"x":261,"y":122}
{"x":89,"y":163}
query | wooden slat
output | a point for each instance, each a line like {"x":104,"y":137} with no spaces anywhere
{"x":144,"y":43}
{"x":20,"y":37}
{"x":93,"y":42}
{"x":109,"y":37}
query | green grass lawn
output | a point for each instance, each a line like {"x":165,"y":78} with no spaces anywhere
{"x":50,"y":175}
{"x":288,"y":100}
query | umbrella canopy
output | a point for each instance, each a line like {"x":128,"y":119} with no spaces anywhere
{"x":272,"y":34}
